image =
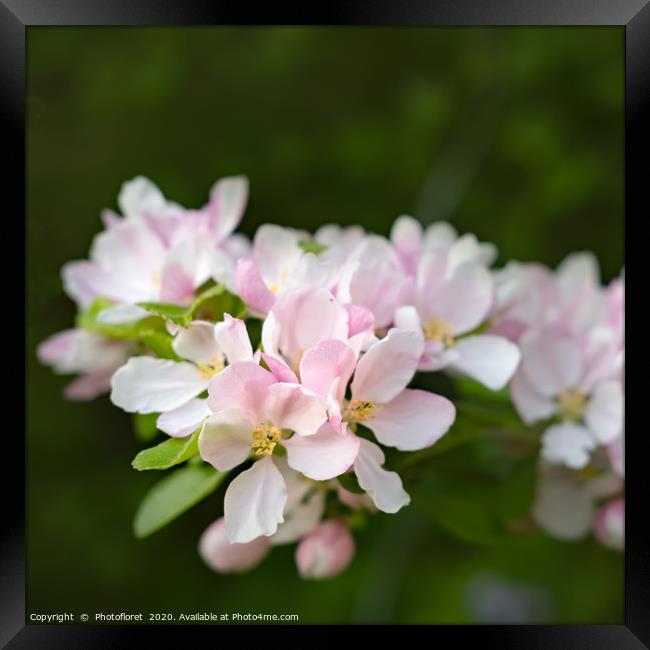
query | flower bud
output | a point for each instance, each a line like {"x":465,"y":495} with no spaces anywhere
{"x":609,"y":525}
{"x":224,"y":557}
{"x":326,"y":551}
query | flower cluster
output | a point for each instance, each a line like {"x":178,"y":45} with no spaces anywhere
{"x":570,"y":331}
{"x":285,"y":363}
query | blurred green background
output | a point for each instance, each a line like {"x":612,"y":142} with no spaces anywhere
{"x":514,"y":134}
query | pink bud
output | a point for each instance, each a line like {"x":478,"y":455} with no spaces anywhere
{"x":609,"y":524}
{"x":224,"y":557}
{"x":326,"y":551}
{"x":615,"y":451}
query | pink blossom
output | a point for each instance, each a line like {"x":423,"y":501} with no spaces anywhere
{"x":569,"y":299}
{"x":159,"y":251}
{"x":278,"y":264}
{"x":339,"y":242}
{"x":222,"y":556}
{"x":411,"y":241}
{"x":404,"y":418}
{"x":151,"y":385}
{"x":303,"y":510}
{"x":303,"y":317}
{"x":326,"y":551}
{"x":526,"y":295}
{"x":566,"y":501}
{"x":562,"y":377}
{"x":451,"y":300}
{"x":93,"y":356}
{"x":609,"y":524}
{"x":252,"y":414}
{"x":372,"y":277}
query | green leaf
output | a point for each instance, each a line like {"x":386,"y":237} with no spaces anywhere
{"x":150,"y":331}
{"x":210,"y":304}
{"x":173,"y":495}
{"x":87,"y":319}
{"x":168,"y":453}
{"x":464,"y":518}
{"x":312,"y":246}
{"x":174,"y":313}
{"x":160,"y":343}
{"x":145,"y":426}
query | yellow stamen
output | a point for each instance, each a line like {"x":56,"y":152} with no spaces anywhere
{"x":207,"y":370}
{"x":275,"y":287}
{"x":265,"y":438}
{"x":295,"y":363}
{"x":360,"y":410}
{"x":572,"y":403}
{"x":439,"y":330}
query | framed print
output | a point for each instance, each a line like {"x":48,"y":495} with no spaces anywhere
{"x":325,"y":320}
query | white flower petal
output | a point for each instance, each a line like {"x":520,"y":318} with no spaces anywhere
{"x":490,"y":359}
{"x":383,"y":487}
{"x":148,"y":385}
{"x":232,"y":337}
{"x":562,"y":507}
{"x":530,"y":405}
{"x":254,"y":502}
{"x":138,"y":196}
{"x":387,"y":367}
{"x":225,"y":440}
{"x":604,"y":412}
{"x":415,"y":419}
{"x":551,"y":363}
{"x":185,"y":419}
{"x":567,"y":443}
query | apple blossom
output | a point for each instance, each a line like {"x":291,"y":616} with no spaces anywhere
{"x":569,"y":299}
{"x":253,"y":413}
{"x":372,"y":277}
{"x":407,"y":419}
{"x":411,"y":242}
{"x":609,"y":524}
{"x":302,"y":513}
{"x":449,"y":302}
{"x":149,"y":385}
{"x":158,"y":251}
{"x":94,"y":356}
{"x":567,"y":503}
{"x":326,"y":551}
{"x":296,"y":420}
{"x":301,"y":318}
{"x":279,"y":264}
{"x":564,"y":378}
{"x":222,"y":556}
{"x":338,"y":242}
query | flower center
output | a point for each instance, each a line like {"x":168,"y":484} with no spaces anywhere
{"x":265,"y":438}
{"x":439,"y":330}
{"x":276,"y":287}
{"x":359,"y":410}
{"x":572,"y":403}
{"x":207,"y":370}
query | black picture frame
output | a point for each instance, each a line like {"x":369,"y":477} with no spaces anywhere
{"x":631,"y":15}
